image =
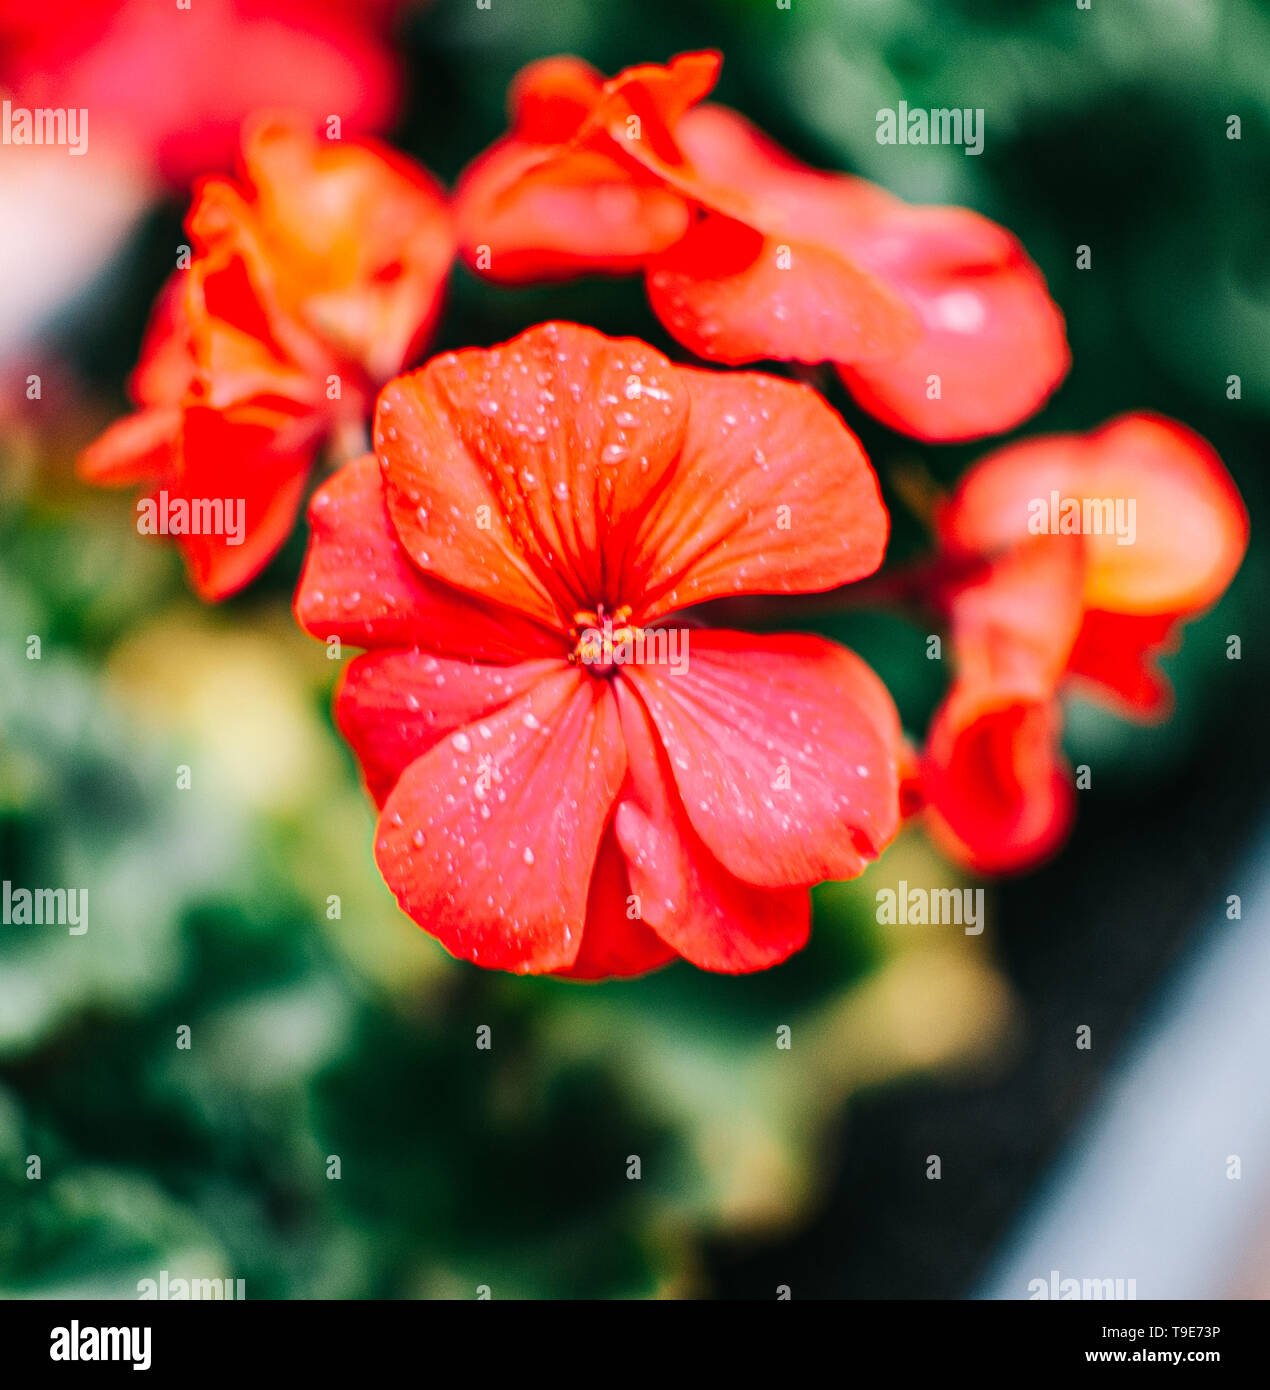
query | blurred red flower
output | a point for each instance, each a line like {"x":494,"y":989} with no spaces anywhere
{"x":1079,"y":556}
{"x":559,"y":792}
{"x":174,"y":84}
{"x":937,"y":320}
{"x":314,"y":279}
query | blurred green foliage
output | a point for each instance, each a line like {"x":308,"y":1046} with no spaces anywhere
{"x":355,"y":1037}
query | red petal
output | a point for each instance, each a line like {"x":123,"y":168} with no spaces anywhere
{"x":772,"y":493}
{"x":1000,"y":796}
{"x":658,"y":96}
{"x":515,"y":473}
{"x":992,"y":335}
{"x":708,"y":915}
{"x":551,"y":98}
{"x":1191,"y":524}
{"x":392,"y":706}
{"x":767,"y":275}
{"x":137,"y":449}
{"x":754,"y":713}
{"x":528,"y":213}
{"x":489,"y":839}
{"x":165,"y":368}
{"x":613,"y":943}
{"x":358,"y":584}
{"x":1015,"y":622}
{"x":1117,"y":654}
{"x":731,"y":294}
{"x":249,"y":457}
{"x":730,"y":166}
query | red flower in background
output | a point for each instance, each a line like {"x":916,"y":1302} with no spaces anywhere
{"x":560,"y":195}
{"x":750,"y":255}
{"x":314,"y":280}
{"x":1047,"y":604}
{"x":547,"y":806}
{"x":174,"y":85}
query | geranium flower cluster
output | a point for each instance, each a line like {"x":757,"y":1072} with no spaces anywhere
{"x":576,"y":771}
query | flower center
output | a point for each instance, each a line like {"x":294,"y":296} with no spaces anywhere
{"x":603,"y":641}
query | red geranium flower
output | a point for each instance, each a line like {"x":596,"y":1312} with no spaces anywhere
{"x":314,"y":280}
{"x":938,"y":322}
{"x":1079,"y":558}
{"x":556,"y":794}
